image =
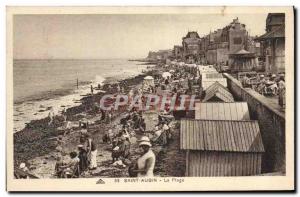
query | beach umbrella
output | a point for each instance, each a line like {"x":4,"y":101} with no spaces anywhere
{"x":166,"y":74}
{"x":148,"y":78}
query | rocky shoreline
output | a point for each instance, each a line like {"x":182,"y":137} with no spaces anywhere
{"x":38,"y":138}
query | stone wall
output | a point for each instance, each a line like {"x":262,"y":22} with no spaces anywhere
{"x":271,"y":122}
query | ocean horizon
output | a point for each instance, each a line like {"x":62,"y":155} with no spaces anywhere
{"x":43,"y":83}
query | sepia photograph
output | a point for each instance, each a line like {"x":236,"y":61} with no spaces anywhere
{"x":150,"y":98}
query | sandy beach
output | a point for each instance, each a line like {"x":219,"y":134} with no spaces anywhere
{"x":38,"y":144}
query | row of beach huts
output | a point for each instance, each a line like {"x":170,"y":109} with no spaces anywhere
{"x":220,"y":139}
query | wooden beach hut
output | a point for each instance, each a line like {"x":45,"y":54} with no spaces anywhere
{"x":222,"y":111}
{"x":216,"y":92}
{"x":207,"y":69}
{"x":221,"y":147}
{"x":210,"y":78}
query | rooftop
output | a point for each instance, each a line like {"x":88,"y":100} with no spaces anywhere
{"x":278,"y":32}
{"x":220,"y":135}
{"x":222,"y":111}
{"x":218,"y":90}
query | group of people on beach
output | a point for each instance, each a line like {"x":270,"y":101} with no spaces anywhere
{"x":130,"y":132}
{"x":85,"y":158}
{"x":269,"y":84}
{"x":131,"y":142}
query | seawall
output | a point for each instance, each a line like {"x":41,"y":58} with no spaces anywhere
{"x":271,"y":120}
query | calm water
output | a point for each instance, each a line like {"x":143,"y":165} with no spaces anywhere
{"x":39,"y":84}
{"x":34,"y":78}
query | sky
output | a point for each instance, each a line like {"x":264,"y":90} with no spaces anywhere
{"x":114,"y":36}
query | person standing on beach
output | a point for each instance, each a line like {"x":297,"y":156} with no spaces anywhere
{"x":83,"y":158}
{"x":142,"y":125}
{"x":92,"y":89}
{"x":118,"y":88}
{"x":146,"y":163}
{"x":92,"y":152}
{"x":51,"y":116}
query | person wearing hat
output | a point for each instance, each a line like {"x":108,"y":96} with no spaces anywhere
{"x":71,"y":169}
{"x":83,"y":158}
{"x":24,"y":169}
{"x":145,"y":163}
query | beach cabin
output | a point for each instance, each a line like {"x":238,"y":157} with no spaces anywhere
{"x":222,"y":111}
{"x":207,"y":69}
{"x":217,"y":93}
{"x":221,"y":147}
{"x":148,"y":82}
{"x":210,"y":78}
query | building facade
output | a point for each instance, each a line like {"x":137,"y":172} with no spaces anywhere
{"x":273,"y":43}
{"x":223,"y":42}
{"x":214,"y":48}
{"x":191,"y":47}
{"x":178,"y":52}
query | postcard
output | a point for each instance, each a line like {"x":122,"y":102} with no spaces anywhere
{"x":150,"y":99}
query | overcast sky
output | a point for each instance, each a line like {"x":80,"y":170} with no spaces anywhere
{"x":113,"y":36}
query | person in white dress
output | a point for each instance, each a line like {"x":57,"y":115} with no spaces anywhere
{"x":146,"y":163}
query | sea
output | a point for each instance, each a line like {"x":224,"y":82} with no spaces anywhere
{"x":39,"y":85}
